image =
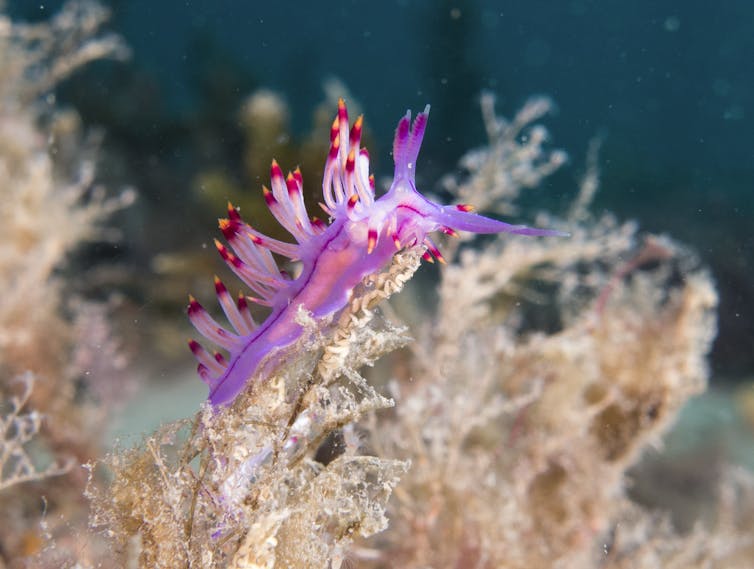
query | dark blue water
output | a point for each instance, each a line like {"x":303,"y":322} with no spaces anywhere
{"x":669,"y":84}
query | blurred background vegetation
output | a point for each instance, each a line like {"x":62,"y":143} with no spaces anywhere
{"x":667,"y":86}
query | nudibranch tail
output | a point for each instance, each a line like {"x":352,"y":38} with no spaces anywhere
{"x":360,"y":239}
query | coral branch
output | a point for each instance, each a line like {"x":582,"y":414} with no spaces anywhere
{"x":17,"y":429}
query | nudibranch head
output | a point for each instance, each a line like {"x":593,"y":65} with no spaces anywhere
{"x":363,"y":234}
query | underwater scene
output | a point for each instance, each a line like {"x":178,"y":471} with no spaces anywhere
{"x":419,"y":284}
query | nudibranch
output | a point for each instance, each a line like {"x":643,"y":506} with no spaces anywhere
{"x":361,"y":237}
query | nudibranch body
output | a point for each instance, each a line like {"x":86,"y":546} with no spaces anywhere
{"x":362,"y":236}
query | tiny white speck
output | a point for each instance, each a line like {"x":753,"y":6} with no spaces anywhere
{"x":672,"y":24}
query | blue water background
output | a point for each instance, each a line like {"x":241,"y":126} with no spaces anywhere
{"x":670,"y":85}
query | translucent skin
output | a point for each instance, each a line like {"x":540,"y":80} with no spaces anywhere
{"x":361,"y":239}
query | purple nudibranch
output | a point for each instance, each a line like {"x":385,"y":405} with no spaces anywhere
{"x":362,"y":236}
